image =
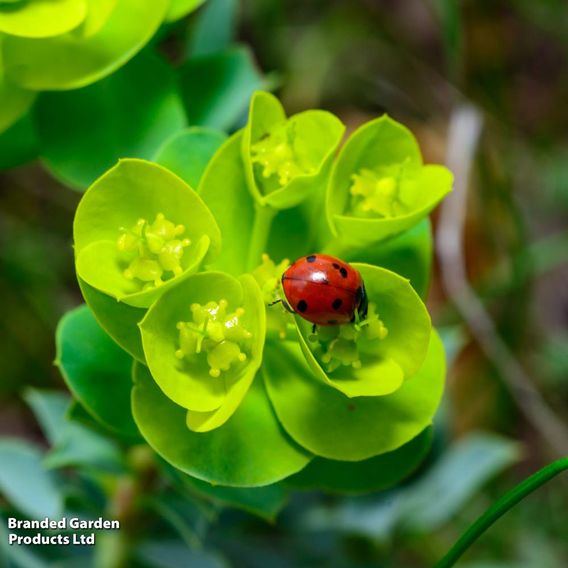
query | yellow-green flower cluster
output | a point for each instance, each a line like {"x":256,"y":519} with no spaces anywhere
{"x":152,"y":250}
{"x":218,"y":334}
{"x":339,"y":345}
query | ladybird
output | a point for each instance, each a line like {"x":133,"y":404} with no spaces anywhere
{"x":324,"y":290}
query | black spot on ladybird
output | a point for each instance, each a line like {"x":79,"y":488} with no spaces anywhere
{"x":311,"y":258}
{"x":337,"y":303}
{"x":336,"y":266}
{"x":302,"y":306}
{"x":343,"y":272}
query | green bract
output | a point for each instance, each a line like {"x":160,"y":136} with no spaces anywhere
{"x":203,"y":343}
{"x":287,"y":159}
{"x":138,"y":230}
{"x":229,"y":387}
{"x":66,"y":44}
{"x":388,"y":348}
{"x":379,"y":186}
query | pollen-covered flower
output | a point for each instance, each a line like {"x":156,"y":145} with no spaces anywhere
{"x":138,"y":229}
{"x":379,"y":186}
{"x":287,"y":159}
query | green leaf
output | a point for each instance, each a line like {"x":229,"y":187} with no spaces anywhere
{"x":41,"y":19}
{"x":388,"y":154}
{"x":214,"y":30}
{"x":49,"y":408}
{"x":18,"y":144}
{"x":112,"y":207}
{"x":387,"y":362}
{"x":250,"y":450}
{"x":14,"y":102}
{"x":180,"y":8}
{"x":189,"y":381}
{"x":287,"y":160}
{"x":72,"y":443}
{"x":373,"y":474}
{"x":129,"y":114}
{"x":460,"y":472}
{"x":71,"y":60}
{"x":216,"y":88}
{"x":118,"y":319}
{"x":18,"y":556}
{"x":25,"y":483}
{"x":188,"y":152}
{"x":224,"y":190}
{"x":97,"y":16}
{"x":96,"y":370}
{"x":264,"y":502}
{"x":330,"y":425}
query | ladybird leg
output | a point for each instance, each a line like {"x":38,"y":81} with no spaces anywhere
{"x":287,"y":307}
{"x":314,"y":328}
{"x":363,"y":304}
{"x":274,"y":303}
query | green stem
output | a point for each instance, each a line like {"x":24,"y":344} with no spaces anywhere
{"x":263,"y":217}
{"x":499,"y":508}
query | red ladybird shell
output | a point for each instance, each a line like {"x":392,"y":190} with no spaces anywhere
{"x":323,"y":289}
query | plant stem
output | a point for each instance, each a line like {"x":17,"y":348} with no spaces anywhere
{"x":499,"y":508}
{"x":263,"y":216}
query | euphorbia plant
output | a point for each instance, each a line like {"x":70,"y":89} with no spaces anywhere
{"x":228,"y":386}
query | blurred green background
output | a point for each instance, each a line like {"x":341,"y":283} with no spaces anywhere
{"x":418,"y":60}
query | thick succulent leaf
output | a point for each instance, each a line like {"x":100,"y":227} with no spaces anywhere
{"x":18,"y":144}
{"x":180,"y":8}
{"x":383,"y":143}
{"x":373,"y":474}
{"x":96,"y":370}
{"x":330,"y":425}
{"x":118,"y":319}
{"x":215,"y":28}
{"x":188,"y":152}
{"x":386,"y":362}
{"x":14,"y":102}
{"x":316,"y":135}
{"x":250,"y":450}
{"x":72,"y":60}
{"x":24,"y":482}
{"x":224,"y":190}
{"x":129,"y":114}
{"x":43,"y":18}
{"x":216,"y":88}
{"x":210,"y":400}
{"x":132,"y":190}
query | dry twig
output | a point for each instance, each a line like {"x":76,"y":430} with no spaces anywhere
{"x":463,"y":138}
